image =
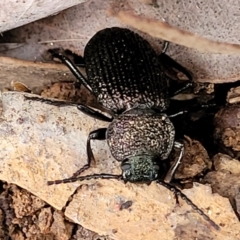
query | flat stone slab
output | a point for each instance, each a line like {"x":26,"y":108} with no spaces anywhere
{"x":41,"y":142}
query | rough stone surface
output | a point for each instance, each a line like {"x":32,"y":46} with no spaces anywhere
{"x":153,"y":213}
{"x":37,"y":140}
{"x":18,"y":13}
{"x":40,"y":142}
{"x":225,"y":162}
{"x":233,"y":95}
{"x":225,"y":180}
{"x":45,"y":223}
{"x":28,"y":205}
{"x":73,"y":28}
{"x":195,"y":160}
{"x":227,"y":127}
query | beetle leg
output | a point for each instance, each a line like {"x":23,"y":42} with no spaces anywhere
{"x":72,"y":67}
{"x":77,"y":60}
{"x":176,"y":163}
{"x":193,"y":109}
{"x":168,"y":63}
{"x":99,"y":134}
{"x":177,"y":114}
{"x":83,"y":108}
{"x":183,"y":86}
{"x":93,"y":113}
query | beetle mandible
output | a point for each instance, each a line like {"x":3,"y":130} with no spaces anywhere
{"x":128,"y":79}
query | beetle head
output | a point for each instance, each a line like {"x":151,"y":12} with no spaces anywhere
{"x":142,"y":168}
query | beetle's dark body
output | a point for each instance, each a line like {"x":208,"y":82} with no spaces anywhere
{"x":124,"y":71}
{"x":128,"y":78}
{"x":141,"y":132}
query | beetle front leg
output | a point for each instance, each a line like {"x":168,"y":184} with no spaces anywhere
{"x":83,"y":108}
{"x":176,"y":163}
{"x":99,"y":134}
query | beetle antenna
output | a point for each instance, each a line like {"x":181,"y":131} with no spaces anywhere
{"x":88,"y":177}
{"x":188,"y":201}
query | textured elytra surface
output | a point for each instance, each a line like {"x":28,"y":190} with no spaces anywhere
{"x":123,"y":71}
{"x":141,"y":132}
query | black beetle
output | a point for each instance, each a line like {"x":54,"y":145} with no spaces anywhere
{"x":130,"y":80}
